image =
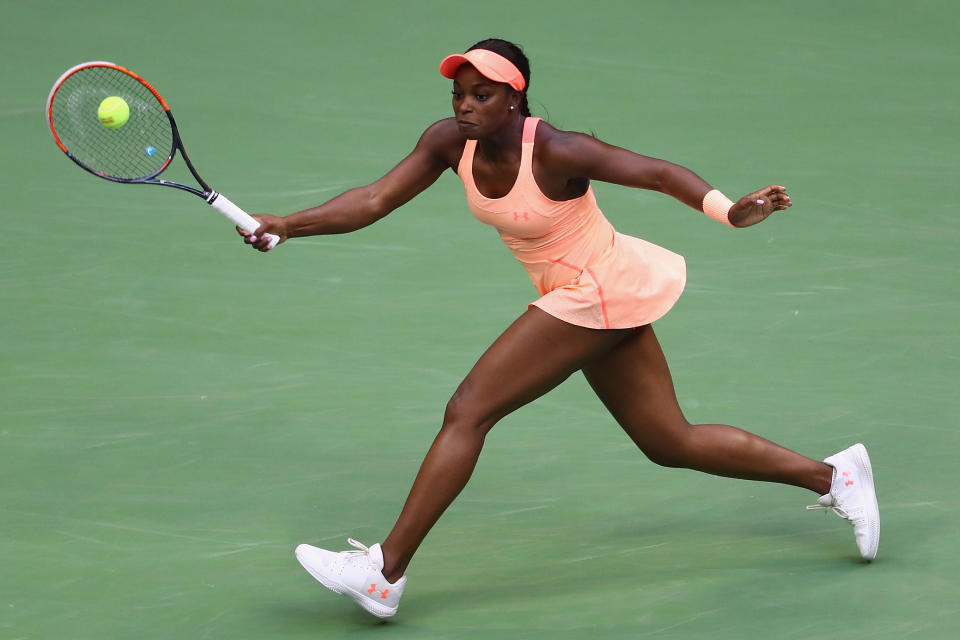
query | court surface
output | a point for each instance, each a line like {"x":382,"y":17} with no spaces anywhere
{"x":178,"y":412}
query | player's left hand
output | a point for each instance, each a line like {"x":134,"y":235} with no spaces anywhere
{"x":757,"y":206}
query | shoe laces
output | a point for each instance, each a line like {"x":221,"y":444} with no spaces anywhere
{"x":362,"y":553}
{"x":836,"y":508}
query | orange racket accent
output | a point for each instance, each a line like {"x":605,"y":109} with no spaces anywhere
{"x":156,"y":93}
{"x":87,"y":65}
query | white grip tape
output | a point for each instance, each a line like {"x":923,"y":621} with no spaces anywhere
{"x":239,"y":217}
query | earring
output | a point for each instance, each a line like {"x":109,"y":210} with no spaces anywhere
{"x":512,"y":107}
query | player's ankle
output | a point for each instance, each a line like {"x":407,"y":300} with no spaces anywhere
{"x":392,"y":570}
{"x":823,"y":481}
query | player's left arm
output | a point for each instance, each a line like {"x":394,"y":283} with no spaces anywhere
{"x":583,"y":156}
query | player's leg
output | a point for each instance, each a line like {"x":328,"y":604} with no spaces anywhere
{"x":531,"y":357}
{"x":634,"y":383}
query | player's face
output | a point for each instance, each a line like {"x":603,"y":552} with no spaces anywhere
{"x":481,"y":106}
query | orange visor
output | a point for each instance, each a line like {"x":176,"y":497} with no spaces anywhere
{"x":491,"y":65}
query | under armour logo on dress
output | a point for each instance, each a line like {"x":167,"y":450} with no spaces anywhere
{"x":373,"y":589}
{"x":847,"y":482}
{"x":521,"y":216}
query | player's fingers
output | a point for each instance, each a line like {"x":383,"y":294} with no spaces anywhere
{"x":264,"y":242}
{"x":777,"y":194}
{"x":763,"y":196}
{"x":771,"y":190}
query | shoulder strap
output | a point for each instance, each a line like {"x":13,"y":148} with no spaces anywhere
{"x":465,"y":168}
{"x":530,"y":130}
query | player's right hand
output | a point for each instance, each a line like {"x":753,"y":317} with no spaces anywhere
{"x":268,"y":224}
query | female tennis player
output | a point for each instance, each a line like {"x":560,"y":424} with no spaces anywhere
{"x":600,"y":291}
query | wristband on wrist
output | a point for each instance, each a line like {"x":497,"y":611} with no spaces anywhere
{"x":717,"y":206}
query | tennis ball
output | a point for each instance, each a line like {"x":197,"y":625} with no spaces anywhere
{"x":113,"y":112}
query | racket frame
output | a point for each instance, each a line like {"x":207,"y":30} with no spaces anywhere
{"x":213,"y":198}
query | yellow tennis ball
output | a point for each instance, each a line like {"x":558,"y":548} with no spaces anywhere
{"x":113,"y":112}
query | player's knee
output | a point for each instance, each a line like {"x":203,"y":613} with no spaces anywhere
{"x":466,"y":412}
{"x":665,"y":458}
{"x":672,"y":449}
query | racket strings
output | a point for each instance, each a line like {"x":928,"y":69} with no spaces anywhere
{"x":138,"y":149}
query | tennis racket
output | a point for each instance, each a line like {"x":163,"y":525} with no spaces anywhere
{"x":136,"y":152}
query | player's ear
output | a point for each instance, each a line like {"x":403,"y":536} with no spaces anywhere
{"x":514,"y":99}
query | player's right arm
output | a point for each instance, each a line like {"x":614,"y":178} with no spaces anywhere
{"x":362,"y":206}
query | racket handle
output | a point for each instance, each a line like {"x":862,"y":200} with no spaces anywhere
{"x":239,"y":217}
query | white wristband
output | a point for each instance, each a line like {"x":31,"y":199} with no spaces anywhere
{"x":717,"y":206}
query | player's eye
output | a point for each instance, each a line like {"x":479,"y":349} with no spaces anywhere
{"x":482,"y":97}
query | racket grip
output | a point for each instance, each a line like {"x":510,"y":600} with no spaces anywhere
{"x":239,"y":217}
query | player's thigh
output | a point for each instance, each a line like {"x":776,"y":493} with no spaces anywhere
{"x":633,"y":381}
{"x":535,"y":354}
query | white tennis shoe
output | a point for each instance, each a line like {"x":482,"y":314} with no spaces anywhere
{"x":853,"y":497}
{"x":357,"y":574}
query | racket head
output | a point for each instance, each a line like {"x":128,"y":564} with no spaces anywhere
{"x":135,"y":152}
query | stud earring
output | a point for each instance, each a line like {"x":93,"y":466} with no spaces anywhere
{"x":512,"y":107}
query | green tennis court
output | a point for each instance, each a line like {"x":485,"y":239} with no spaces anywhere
{"x":177,"y":412}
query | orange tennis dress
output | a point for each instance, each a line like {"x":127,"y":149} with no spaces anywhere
{"x":587,"y":274}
